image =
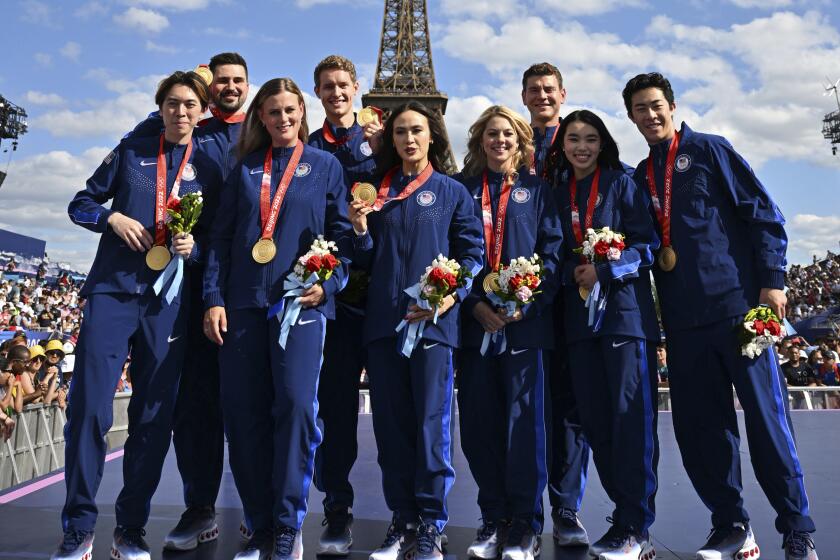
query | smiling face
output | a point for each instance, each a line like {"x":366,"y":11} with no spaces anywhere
{"x":500,"y":143}
{"x":281,"y":114}
{"x":336,"y":90}
{"x":229,"y":88}
{"x":412,"y":137}
{"x":653,"y":115}
{"x":180,"y":110}
{"x":581,"y":146}
{"x":543,"y":97}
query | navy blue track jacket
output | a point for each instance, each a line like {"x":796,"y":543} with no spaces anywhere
{"x":315,"y":203}
{"x":127,"y":176}
{"x":532,"y":225}
{"x":623,"y":208}
{"x":355,"y":154}
{"x":728,"y":233}
{"x":404,"y":238}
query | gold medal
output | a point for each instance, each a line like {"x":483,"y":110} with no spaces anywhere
{"x":158,"y":257}
{"x":205,"y":73}
{"x":365,"y":192}
{"x":264,"y":250}
{"x":491,"y":282}
{"x":367,"y":116}
{"x":584,"y":293}
{"x":667,"y":259}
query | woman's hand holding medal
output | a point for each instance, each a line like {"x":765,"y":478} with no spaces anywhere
{"x":585,"y":276}
{"x":357,"y":213}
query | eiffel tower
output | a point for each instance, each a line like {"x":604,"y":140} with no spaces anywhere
{"x":404,"y":71}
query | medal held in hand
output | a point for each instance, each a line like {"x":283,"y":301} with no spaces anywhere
{"x":667,"y":259}
{"x":365,"y":193}
{"x":587,"y":219}
{"x":368,"y":115}
{"x":264,"y":249}
{"x":491,"y":282}
{"x":158,"y":256}
{"x":494,"y":234}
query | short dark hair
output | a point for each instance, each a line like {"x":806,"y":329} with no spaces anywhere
{"x":17,"y":353}
{"x":228,"y":58}
{"x":646,"y":81}
{"x":438,"y":149}
{"x":542,"y":69}
{"x":189,"y":79}
{"x":608,"y":158}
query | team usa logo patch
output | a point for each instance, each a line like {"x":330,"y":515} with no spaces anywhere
{"x":426,"y":198}
{"x":365,"y":149}
{"x":521,"y":195}
{"x":189,"y":173}
{"x":303,"y":170}
{"x":683,"y":162}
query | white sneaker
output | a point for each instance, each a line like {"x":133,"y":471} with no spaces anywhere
{"x":521,"y":543}
{"x":399,"y":542}
{"x":486,"y":542}
{"x":733,"y":542}
{"x":632,"y":547}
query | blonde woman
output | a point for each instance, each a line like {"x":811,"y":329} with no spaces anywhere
{"x":501,"y":389}
{"x":281,"y":196}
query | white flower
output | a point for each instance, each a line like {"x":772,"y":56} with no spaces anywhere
{"x":523,"y":294}
{"x":613,"y":254}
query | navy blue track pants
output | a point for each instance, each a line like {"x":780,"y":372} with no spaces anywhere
{"x":338,"y":395}
{"x":412,"y":408}
{"x":503,"y":433}
{"x":270,"y":407}
{"x":703,"y":365}
{"x":155,"y":333}
{"x":614,"y":378}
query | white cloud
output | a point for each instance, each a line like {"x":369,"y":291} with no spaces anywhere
{"x":71,"y":51}
{"x":144,"y":20}
{"x":461,"y":113}
{"x":480,"y":8}
{"x":40,"y":98}
{"x":579,"y":8}
{"x":174,"y":5}
{"x":764,"y":4}
{"x":42,"y":58}
{"x":37,"y":12}
{"x":151,"y":46}
{"x":811,"y":235}
{"x":90,"y":9}
{"x":39,"y":188}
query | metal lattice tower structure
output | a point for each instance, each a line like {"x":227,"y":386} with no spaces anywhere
{"x":404,"y":70}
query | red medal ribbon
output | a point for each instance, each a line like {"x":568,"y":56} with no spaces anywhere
{"x":229,"y":118}
{"x":385,"y":186}
{"x":663,"y":211}
{"x":590,"y":206}
{"x":160,"y":189}
{"x":533,"y":168}
{"x":330,"y":137}
{"x":493,"y":237}
{"x":269,"y":217}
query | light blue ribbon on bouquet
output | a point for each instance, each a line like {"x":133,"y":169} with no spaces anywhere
{"x":414,"y":332}
{"x":496,"y":342}
{"x":288,"y":314}
{"x":596,"y":303}
{"x":175,"y":271}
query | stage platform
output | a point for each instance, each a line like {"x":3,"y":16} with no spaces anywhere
{"x":29,"y":522}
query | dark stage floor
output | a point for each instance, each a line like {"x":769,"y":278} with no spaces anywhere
{"x":29,"y":525}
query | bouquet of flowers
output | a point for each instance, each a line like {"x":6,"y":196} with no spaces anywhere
{"x":760,"y":330}
{"x":441,"y":278}
{"x":181,"y":216}
{"x":515,"y":287}
{"x":599,"y":246}
{"x":315,"y":266}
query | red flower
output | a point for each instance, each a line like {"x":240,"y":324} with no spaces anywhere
{"x":602,"y":248}
{"x":438,"y":277}
{"x":618,"y":244}
{"x":532,"y":281}
{"x":329,"y":262}
{"x":774,"y":327}
{"x":452,"y":280}
{"x":174,"y":204}
{"x":515,"y":282}
{"x":759,"y":327}
{"x":313,"y":264}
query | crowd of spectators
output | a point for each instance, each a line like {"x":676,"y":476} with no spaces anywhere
{"x":814,"y":288}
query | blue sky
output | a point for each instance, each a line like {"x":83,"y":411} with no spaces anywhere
{"x":752,"y":70}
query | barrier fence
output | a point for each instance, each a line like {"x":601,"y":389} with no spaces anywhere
{"x":36,"y":447}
